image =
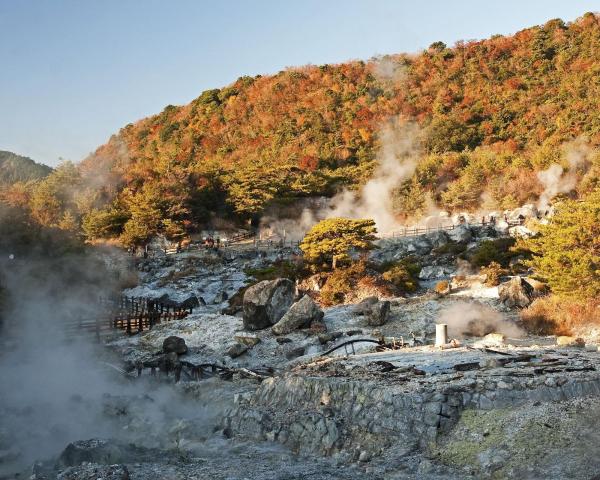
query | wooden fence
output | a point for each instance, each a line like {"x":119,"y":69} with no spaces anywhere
{"x":129,"y":314}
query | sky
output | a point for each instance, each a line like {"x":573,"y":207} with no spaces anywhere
{"x":73,"y":72}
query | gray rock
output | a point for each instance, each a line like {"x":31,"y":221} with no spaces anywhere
{"x":236,"y":350}
{"x":93,"y":451}
{"x":364,"y":306}
{"x":515,"y":293}
{"x":438,"y":238}
{"x":378,"y":314}
{"x":330,"y":336}
{"x":174,"y":344}
{"x":220,"y":297}
{"x":294,"y":353}
{"x":191,"y":302}
{"x":266,"y":302}
{"x":248,"y":340}
{"x":301,"y":314}
{"x":460,"y":233}
{"x":432,"y":272}
{"x":93,"y":471}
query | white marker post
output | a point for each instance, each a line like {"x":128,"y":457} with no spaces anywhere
{"x":441,"y":334}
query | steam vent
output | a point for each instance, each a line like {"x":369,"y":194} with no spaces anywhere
{"x":383,"y":269}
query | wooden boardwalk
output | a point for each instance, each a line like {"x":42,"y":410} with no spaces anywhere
{"x":130,"y":315}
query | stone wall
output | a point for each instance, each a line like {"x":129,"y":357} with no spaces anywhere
{"x":326,"y":415}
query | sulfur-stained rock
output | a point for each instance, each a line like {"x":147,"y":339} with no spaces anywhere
{"x":567,"y":341}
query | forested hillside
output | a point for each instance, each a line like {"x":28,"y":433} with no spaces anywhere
{"x":491,"y":114}
{"x":15,"y":168}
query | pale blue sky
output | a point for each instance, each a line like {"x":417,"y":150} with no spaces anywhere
{"x":74,"y":71}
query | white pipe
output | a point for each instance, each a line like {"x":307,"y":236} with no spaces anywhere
{"x":441,"y":334}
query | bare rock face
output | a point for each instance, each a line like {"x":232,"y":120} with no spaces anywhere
{"x":236,"y":350}
{"x":301,"y":314}
{"x":438,"y":238}
{"x":515,"y":293}
{"x":378,"y":314}
{"x":364,"y":306}
{"x":92,"y":471}
{"x":92,"y":451}
{"x":266,"y":302}
{"x":174,"y":344}
{"x":460,"y":233}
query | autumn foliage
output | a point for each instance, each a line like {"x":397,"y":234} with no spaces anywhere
{"x":491,"y":114}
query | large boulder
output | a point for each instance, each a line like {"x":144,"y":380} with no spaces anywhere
{"x":460,"y":234}
{"x":364,"y":306}
{"x":378,"y":314}
{"x":301,"y":314}
{"x":266,"y":302}
{"x":174,"y":344}
{"x":515,"y":293}
{"x":91,"y":451}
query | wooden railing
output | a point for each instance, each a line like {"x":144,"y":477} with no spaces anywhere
{"x":419,"y":230}
{"x":129,"y":314}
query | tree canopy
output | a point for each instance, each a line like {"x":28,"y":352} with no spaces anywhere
{"x":331,"y":241}
{"x":567,"y":250}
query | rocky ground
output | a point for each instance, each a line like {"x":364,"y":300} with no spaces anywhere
{"x":263,"y":393}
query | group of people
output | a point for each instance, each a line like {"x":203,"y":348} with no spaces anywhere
{"x":212,"y":243}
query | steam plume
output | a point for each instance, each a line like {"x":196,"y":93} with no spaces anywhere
{"x":475,"y":319}
{"x":555,"y":180}
{"x":397,"y":161}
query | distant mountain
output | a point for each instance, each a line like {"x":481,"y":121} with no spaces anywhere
{"x":16,"y":168}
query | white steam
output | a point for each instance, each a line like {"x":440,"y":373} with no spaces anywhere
{"x":555,"y":180}
{"x":465,"y":319}
{"x":397,"y":161}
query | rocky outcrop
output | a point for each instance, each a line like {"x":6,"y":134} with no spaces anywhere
{"x":432,"y":272}
{"x":326,"y":415}
{"x":174,"y":344}
{"x":515,"y":293}
{"x":91,"y":451}
{"x":266,"y":302}
{"x":460,"y":234}
{"x":301,"y":314}
{"x":378,"y":314}
{"x":438,"y":238}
